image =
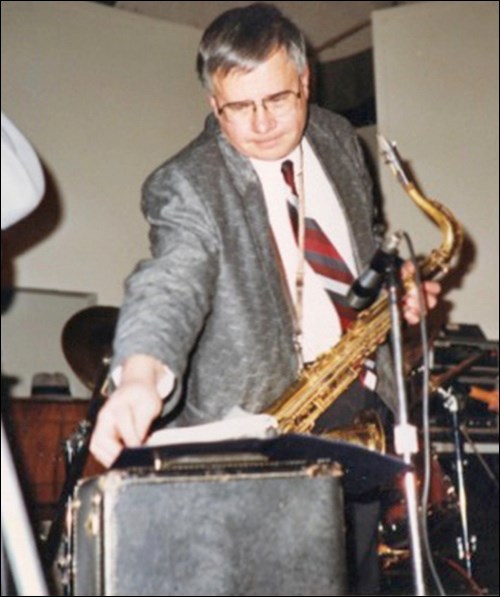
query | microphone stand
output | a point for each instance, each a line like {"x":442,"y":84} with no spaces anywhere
{"x":405,"y":434}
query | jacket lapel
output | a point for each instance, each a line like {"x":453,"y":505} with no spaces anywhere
{"x":345,"y":176}
{"x":250,"y":198}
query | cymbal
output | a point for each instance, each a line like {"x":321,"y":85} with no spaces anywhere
{"x":87,"y":339}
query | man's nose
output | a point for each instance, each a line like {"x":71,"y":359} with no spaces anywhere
{"x":263,"y":120}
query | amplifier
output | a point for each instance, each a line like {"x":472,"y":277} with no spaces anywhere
{"x":483,"y":440}
{"x":448,"y":447}
{"x":211,"y":526}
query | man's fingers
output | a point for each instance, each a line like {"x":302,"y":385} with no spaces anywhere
{"x":105,"y":445}
{"x":124,"y":421}
{"x":411,"y":303}
{"x":106,"y":451}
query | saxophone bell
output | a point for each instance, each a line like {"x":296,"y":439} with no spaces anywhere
{"x":366,"y":431}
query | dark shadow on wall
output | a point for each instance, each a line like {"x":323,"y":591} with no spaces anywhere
{"x":347,"y":86}
{"x":30,"y":231}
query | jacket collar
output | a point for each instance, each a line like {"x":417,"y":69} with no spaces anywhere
{"x":343,"y":173}
{"x":251,"y":202}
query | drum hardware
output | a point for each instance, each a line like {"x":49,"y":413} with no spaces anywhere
{"x":395,"y":565}
{"x":454,"y":402}
{"x":86,"y":339}
{"x":474,"y":412}
{"x":443,"y":500}
{"x":466,"y":544}
{"x":76,"y":452}
{"x":76,"y":442}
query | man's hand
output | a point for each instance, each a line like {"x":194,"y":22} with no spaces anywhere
{"x":125,"y":418}
{"x":411,"y":305}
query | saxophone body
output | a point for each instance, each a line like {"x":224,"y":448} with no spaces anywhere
{"x":323,"y":381}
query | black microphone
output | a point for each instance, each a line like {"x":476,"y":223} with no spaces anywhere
{"x":366,"y":287}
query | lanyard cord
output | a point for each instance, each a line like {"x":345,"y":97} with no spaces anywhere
{"x":301,"y":238}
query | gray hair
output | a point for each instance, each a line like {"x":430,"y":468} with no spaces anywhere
{"x":243,"y":38}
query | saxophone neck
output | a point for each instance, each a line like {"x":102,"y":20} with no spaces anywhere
{"x":451,"y":230}
{"x":451,"y":233}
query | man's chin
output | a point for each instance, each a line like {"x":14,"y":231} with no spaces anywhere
{"x":270,"y":150}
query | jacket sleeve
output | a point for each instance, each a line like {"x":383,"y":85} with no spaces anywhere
{"x":168,"y":297}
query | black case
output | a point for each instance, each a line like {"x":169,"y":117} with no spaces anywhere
{"x":239,"y":525}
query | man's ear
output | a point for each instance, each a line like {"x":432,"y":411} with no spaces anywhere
{"x":213,"y":104}
{"x":305,"y":78}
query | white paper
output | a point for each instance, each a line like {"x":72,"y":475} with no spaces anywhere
{"x":238,"y":424}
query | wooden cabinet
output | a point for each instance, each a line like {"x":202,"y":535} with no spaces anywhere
{"x":37,"y":429}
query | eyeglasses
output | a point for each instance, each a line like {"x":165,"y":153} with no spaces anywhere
{"x":277,"y":104}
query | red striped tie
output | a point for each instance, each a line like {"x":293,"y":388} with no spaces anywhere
{"x":322,"y":255}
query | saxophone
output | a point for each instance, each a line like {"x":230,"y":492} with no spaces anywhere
{"x":323,"y":381}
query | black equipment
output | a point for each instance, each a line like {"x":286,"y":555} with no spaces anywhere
{"x":239,"y":517}
{"x":213,"y":527}
{"x":464,"y":433}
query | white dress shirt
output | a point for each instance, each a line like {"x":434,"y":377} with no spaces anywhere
{"x":320,"y":324}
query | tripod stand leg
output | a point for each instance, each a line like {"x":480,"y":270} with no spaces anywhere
{"x":20,"y":548}
{"x":465,"y":544}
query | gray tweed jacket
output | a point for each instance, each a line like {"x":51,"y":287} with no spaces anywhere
{"x":211,"y":302}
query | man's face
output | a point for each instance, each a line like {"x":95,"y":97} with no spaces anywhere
{"x":269,"y":130}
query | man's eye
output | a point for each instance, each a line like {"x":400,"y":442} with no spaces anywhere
{"x":278,"y":98}
{"x":239,"y":106}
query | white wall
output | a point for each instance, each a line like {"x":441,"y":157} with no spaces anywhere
{"x":31,"y":340}
{"x":437,"y":96}
{"x":105,"y":96}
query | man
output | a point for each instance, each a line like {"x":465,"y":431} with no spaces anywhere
{"x":219,"y":316}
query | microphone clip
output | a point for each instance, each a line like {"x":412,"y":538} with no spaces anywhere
{"x":366,"y":287}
